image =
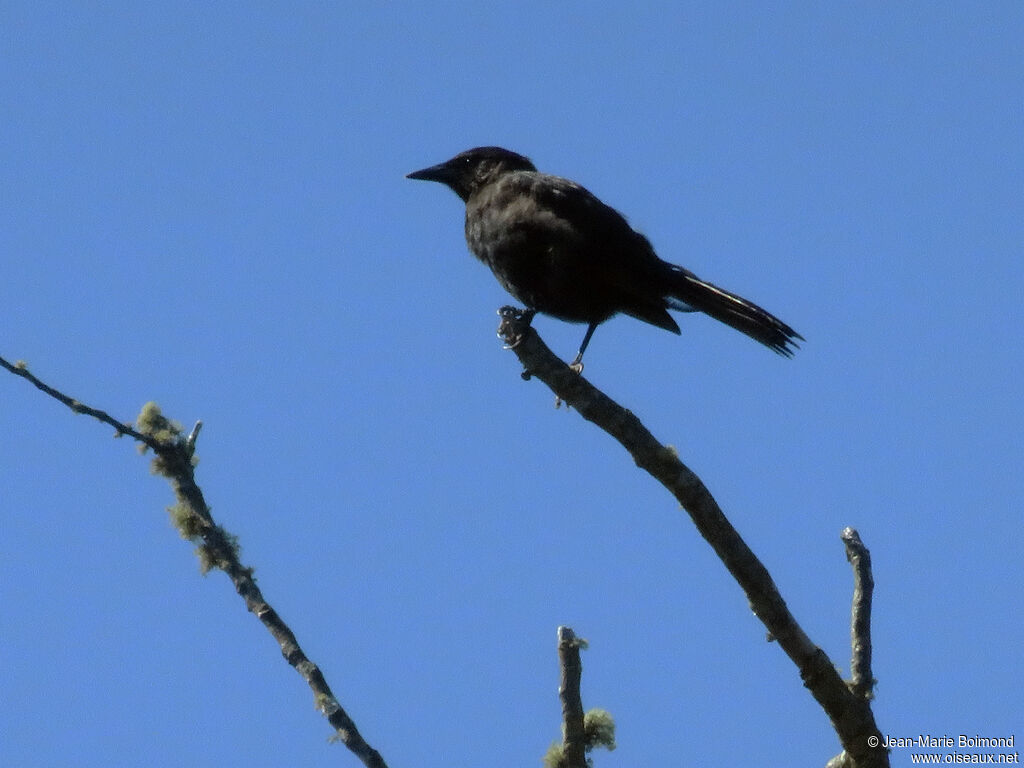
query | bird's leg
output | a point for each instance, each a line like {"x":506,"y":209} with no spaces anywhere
{"x":577,"y":364}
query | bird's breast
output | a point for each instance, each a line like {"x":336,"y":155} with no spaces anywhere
{"x":537,"y":256}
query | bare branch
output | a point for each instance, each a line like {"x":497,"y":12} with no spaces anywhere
{"x":850,"y":714}
{"x":218,"y":548}
{"x":190,"y":441}
{"x":123,"y":428}
{"x":574,"y":740}
{"x":861,"y":681}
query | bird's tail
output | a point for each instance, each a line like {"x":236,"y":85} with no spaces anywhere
{"x":733,"y":310}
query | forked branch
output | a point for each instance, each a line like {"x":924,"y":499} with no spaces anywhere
{"x":847,"y":707}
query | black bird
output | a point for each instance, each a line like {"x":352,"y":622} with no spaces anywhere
{"x":560,"y":251}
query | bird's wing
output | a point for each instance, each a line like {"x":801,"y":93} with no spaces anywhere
{"x":622,"y":256}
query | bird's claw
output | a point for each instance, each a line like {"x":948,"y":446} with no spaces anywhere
{"x":514,"y":322}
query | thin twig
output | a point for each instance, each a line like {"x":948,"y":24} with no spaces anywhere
{"x":851,"y":715}
{"x":123,"y":428}
{"x":861,"y":681}
{"x":219,"y":549}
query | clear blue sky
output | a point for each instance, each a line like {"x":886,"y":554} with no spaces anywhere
{"x":204,"y":205}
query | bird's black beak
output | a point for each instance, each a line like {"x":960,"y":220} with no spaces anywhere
{"x":440,"y":172}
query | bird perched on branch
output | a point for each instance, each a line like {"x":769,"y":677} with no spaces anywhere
{"x":560,"y":251}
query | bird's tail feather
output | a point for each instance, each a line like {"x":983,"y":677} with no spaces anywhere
{"x":733,"y":310}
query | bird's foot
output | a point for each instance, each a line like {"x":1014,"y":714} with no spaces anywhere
{"x":576,"y":366}
{"x":514,"y":323}
{"x":512,"y":329}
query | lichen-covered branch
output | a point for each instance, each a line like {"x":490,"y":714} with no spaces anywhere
{"x":573,"y":735}
{"x":581,"y":733}
{"x":216,"y":547}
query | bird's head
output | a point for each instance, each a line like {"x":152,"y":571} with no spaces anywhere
{"x":475,"y":168}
